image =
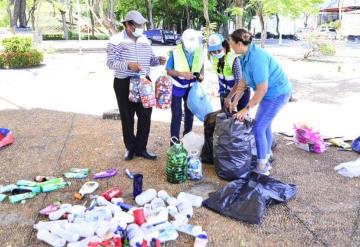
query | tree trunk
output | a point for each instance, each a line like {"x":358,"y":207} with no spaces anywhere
{"x":306,"y":20}
{"x":262,"y":25}
{"x":91,"y":3}
{"x":239,"y":21}
{"x":22,"y":16}
{"x":71,"y":17}
{"x":187,"y":9}
{"x":249,"y":25}
{"x":31,"y":15}
{"x":97,"y":8}
{"x":206,"y":12}
{"x":11,"y":17}
{"x":150,"y":23}
{"x":65,"y":27}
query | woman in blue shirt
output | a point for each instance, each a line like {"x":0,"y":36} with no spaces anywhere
{"x":272,"y":89}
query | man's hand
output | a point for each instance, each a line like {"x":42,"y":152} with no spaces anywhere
{"x":162,"y":60}
{"x":134,"y":66}
{"x":187,"y":75}
{"x":241,"y":114}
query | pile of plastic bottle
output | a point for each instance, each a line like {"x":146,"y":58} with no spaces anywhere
{"x":134,"y":94}
{"x":108,"y":221}
{"x":25,"y":189}
{"x":176,"y":164}
{"x":146,"y":92}
{"x":163,"y":92}
{"x":194,"y":166}
{"x":308,"y":139}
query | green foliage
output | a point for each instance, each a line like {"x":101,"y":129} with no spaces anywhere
{"x":319,"y":45}
{"x":4,"y":18}
{"x":74,"y":36}
{"x":327,"y":49}
{"x":26,"y":59}
{"x":18,"y":53}
{"x":335,"y":24}
{"x":235,"y":11}
{"x":17,"y":44}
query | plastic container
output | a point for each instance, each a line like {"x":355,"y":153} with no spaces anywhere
{"x":179,"y":218}
{"x":134,"y":94}
{"x":146,"y":92}
{"x":27,"y":183}
{"x":47,"y":224}
{"x":176,"y":164}
{"x":116,"y":200}
{"x":196,"y":201}
{"x":137,"y":184}
{"x":145,"y":197}
{"x":163,"y":195}
{"x":194,"y":166}
{"x":17,"y":198}
{"x":190,"y":229}
{"x":157,"y":204}
{"x":139,"y":216}
{"x":201,"y":240}
{"x":135,"y":235}
{"x":49,"y":238}
{"x":83,"y":229}
{"x":77,"y":175}
{"x":64,"y":208}
{"x":98,"y":214}
{"x":60,"y":232}
{"x":87,"y":188}
{"x":104,"y":230}
{"x":7,"y":188}
{"x":169,"y":234}
{"x":122,"y":216}
{"x":105,"y":174}
{"x":85,"y":242}
{"x":112,"y":193}
{"x":185,"y":208}
{"x":124,"y":206}
{"x":161,"y":217}
{"x":172,"y":201}
{"x":163,"y":92}
{"x":148,"y":210}
{"x":53,"y":187}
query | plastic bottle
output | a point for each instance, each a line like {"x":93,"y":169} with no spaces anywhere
{"x":179,"y":218}
{"x":60,"y":232}
{"x":194,"y":166}
{"x":52,"y":181}
{"x":112,"y":193}
{"x":163,"y":195}
{"x":157,"y":204}
{"x":7,"y":188}
{"x":148,"y":210}
{"x":162,"y":216}
{"x":190,"y":229}
{"x":116,"y":200}
{"x":135,"y":235}
{"x":41,"y":179}
{"x":137,"y":184}
{"x":80,"y":170}
{"x":35,"y":189}
{"x":2,"y":197}
{"x":76,"y":175}
{"x":123,"y":216}
{"x":145,"y":197}
{"x":98,"y":214}
{"x":103,"y":229}
{"x":172,"y":201}
{"x":87,"y":188}
{"x":201,"y":240}
{"x":100,"y":200}
{"x":169,"y":234}
{"x":55,"y":186}
{"x":157,"y":227}
{"x":49,"y":238}
{"x":185,"y":208}
{"x":64,"y":208}
{"x":83,"y":229}
{"x":27,"y":183}
{"x":17,"y":198}
{"x":45,"y":225}
{"x":85,"y":242}
{"x":196,"y":201}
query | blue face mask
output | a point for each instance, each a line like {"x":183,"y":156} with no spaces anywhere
{"x":219,"y":55}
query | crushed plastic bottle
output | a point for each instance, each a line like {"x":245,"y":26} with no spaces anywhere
{"x":196,"y":201}
{"x":135,"y":235}
{"x":62,"y":233}
{"x":20,"y":197}
{"x":50,"y":238}
{"x":45,"y":225}
{"x":87,"y":188}
{"x":145,"y":197}
{"x":64,"y":208}
{"x":82,"y":229}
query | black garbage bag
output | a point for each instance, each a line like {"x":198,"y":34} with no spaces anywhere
{"x":232,"y":147}
{"x":246,"y":199}
{"x":207,"y":155}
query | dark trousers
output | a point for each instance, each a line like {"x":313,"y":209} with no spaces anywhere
{"x":127,"y":112}
{"x":242,"y":102}
{"x":176,"y":116}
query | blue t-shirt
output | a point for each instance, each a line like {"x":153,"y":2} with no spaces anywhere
{"x":259,"y":66}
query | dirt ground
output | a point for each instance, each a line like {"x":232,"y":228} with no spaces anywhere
{"x":325,"y":212}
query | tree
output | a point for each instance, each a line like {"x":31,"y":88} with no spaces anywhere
{"x":149,"y":14}
{"x":239,"y":4}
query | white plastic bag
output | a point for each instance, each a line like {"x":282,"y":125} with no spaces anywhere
{"x":349,"y":169}
{"x":192,"y":141}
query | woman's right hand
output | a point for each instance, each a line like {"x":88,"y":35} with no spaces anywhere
{"x":228,"y":104}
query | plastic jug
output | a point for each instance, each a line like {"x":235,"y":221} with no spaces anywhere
{"x":196,"y":201}
{"x":145,"y":197}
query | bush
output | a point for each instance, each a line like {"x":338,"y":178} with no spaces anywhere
{"x":74,"y":36}
{"x":53,"y":36}
{"x":17,"y":44}
{"x":19,"y":53}
{"x":327,"y":49}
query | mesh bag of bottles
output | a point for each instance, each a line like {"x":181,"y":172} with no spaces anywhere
{"x":163,"y":92}
{"x":146,"y":92}
{"x":134,"y":94}
{"x":176,"y":164}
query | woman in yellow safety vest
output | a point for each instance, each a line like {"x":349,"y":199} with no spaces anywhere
{"x":227,"y":66}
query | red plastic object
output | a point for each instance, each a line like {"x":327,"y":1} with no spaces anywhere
{"x":112,"y":242}
{"x":111,"y":193}
{"x":139,"y":216}
{"x":144,"y":244}
{"x":6,"y":137}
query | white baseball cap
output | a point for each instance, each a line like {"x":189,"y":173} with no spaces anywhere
{"x":135,"y":16}
{"x":215,"y":42}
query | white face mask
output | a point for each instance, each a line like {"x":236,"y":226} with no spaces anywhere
{"x":219,"y":55}
{"x":190,"y":45}
{"x":138,"y":32}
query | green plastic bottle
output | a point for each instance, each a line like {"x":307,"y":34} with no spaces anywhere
{"x":17,"y":198}
{"x":2,"y":197}
{"x":52,"y":181}
{"x":80,"y":170}
{"x":75,"y":175}
{"x":7,"y":188}
{"x":52,"y":187}
{"x":27,"y":183}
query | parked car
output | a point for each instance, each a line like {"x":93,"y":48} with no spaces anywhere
{"x":164,"y":37}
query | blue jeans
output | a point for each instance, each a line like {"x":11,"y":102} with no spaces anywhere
{"x":176,"y":115}
{"x":267,"y":111}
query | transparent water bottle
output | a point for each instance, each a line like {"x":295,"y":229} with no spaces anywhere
{"x":194,"y":166}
